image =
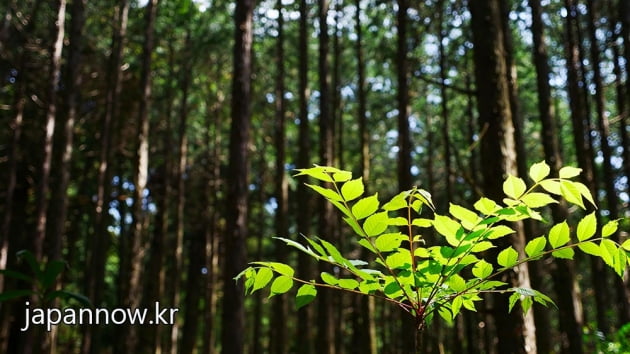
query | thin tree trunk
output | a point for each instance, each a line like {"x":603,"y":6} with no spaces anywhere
{"x":325,"y":315}
{"x":623,"y":91}
{"x":135,"y":246}
{"x":303,"y":200}
{"x":581,"y":136}
{"x":564,"y":282}
{"x":278,"y":340}
{"x":442,"y":33}
{"x":233,"y":316}
{"x":97,"y":247}
{"x":612,"y":201}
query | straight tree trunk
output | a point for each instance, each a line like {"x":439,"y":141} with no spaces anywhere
{"x":364,"y":333}
{"x":565,"y":285}
{"x":498,"y":152}
{"x":279,"y":306}
{"x":623,"y":91}
{"x":581,"y":138}
{"x":305,"y":314}
{"x":442,"y":33}
{"x":132,"y":293}
{"x":325,"y":312}
{"x":96,"y":249}
{"x":233,"y":316}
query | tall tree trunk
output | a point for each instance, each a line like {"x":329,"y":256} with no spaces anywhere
{"x":612,"y":201}
{"x":305,"y":314}
{"x":442,"y":33}
{"x":233,"y":315}
{"x":581,"y":138}
{"x":564,"y":282}
{"x":279,"y":307}
{"x":132,"y":293}
{"x":623,"y":91}
{"x":325,"y":315}
{"x":364,"y":334}
{"x":498,"y":151}
{"x":97,"y":247}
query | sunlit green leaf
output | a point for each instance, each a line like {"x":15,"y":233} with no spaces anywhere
{"x":397,"y":202}
{"x":536,"y":246}
{"x":486,"y":206}
{"x":365,"y":207}
{"x":571,"y":193}
{"x":352,"y":189}
{"x":585,"y":192}
{"x":559,"y":235}
{"x":537,"y":200}
{"x":399,"y":259}
{"x":447,"y":227}
{"x":376,"y":224}
{"x":589,"y":248}
{"x":421,"y":222}
{"x":569,"y":172}
{"x":389,"y":242}
{"x":499,"y":231}
{"x":626,"y":245}
{"x":482,"y":269}
{"x":457,"y":283}
{"x":565,"y":253}
{"x":329,"y":278}
{"x":305,"y":295}
{"x":551,"y":186}
{"x":539,"y":171}
{"x":482,"y":246}
{"x":348,"y":284}
{"x":325,"y":192}
{"x":514,"y":187}
{"x":263,"y":277}
{"x":508,"y":257}
{"x":280,"y":268}
{"x":468,"y":218}
{"x":610,"y":228}
{"x":281,"y":285}
{"x":586,"y":227}
{"x":608,"y":251}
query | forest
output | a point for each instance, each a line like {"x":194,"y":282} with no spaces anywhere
{"x":150,"y":150}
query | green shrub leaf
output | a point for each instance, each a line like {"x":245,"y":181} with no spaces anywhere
{"x":586,"y":227}
{"x":539,"y":171}
{"x":559,"y":235}
{"x":352,"y":189}
{"x":305,"y":295}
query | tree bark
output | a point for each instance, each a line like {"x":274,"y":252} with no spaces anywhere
{"x":233,"y":316}
{"x":565,"y":285}
{"x":498,"y":152}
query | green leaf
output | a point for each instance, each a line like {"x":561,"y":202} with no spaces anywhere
{"x":16,"y":275}
{"x":317,"y":172}
{"x":610,"y":228}
{"x":589,"y":248}
{"x":586,"y":227}
{"x":366,"y":243}
{"x":263,"y":277}
{"x":514,"y":187}
{"x":326,"y":192}
{"x":559,"y":235}
{"x":539,"y":171}
{"x":482,"y":246}
{"x":585,"y":192}
{"x":447,"y":227}
{"x":365,"y":207}
{"x":513,"y":299}
{"x":626,"y":245}
{"x":349,"y":284}
{"x":508,"y":257}
{"x":608,"y":252}
{"x":551,"y":186}
{"x":565,"y":253}
{"x":63,"y":294}
{"x":482,"y":269}
{"x":398,"y":202}
{"x":499,"y":231}
{"x":15,"y":294}
{"x":376,"y":224}
{"x":317,"y":247}
{"x":569,"y":172}
{"x":305,"y":295}
{"x":571,"y":193}
{"x":456,"y":282}
{"x":468,"y":218}
{"x":537,"y":200}
{"x":280,"y":268}
{"x":333,"y":252}
{"x":536,"y":246}
{"x":389,"y":242}
{"x":486,"y":206}
{"x":281,"y":285}
{"x":421,"y":222}
{"x":399,"y":259}
{"x":329,"y":278}
{"x":352,"y":189}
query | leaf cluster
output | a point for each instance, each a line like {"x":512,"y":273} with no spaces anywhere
{"x":444,"y":278}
